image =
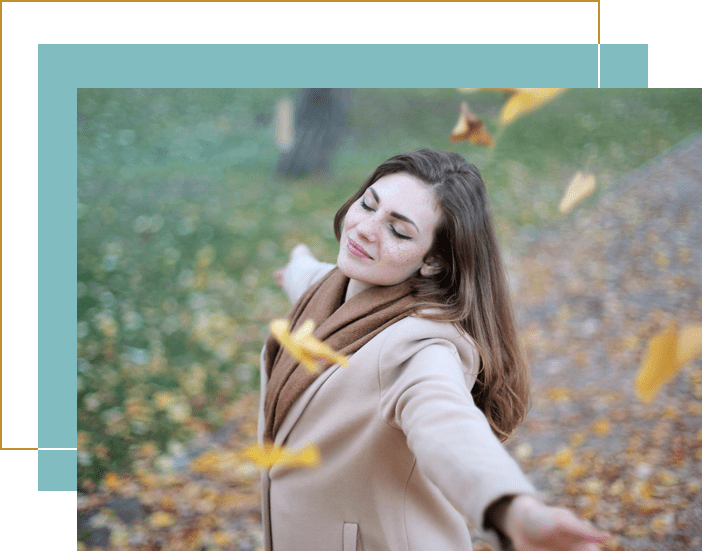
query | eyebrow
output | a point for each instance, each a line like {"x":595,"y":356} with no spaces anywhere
{"x":393,"y":213}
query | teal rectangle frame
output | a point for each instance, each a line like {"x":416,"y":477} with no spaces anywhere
{"x":64,"y":68}
{"x":624,"y":66}
{"x":57,"y":471}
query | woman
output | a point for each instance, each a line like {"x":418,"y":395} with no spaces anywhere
{"x":409,"y":433}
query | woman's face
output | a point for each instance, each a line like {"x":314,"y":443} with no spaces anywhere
{"x":388,"y":231}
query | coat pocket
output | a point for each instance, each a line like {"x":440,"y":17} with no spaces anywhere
{"x":352,"y":537}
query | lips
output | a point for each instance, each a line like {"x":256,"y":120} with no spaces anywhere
{"x":356,"y":250}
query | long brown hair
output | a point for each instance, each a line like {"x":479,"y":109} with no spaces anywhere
{"x":470,"y":288}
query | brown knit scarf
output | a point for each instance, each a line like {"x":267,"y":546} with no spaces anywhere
{"x":345,"y":326}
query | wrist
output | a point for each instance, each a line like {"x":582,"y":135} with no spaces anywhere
{"x":495,"y":519}
{"x":508,"y":513}
{"x":515,"y":512}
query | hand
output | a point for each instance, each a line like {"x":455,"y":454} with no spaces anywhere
{"x":533,"y":526}
{"x":299,"y":250}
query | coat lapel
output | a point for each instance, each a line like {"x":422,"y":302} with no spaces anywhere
{"x":301,"y":403}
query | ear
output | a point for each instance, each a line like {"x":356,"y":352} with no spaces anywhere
{"x":429,"y":269}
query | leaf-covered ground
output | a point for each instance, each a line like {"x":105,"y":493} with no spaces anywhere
{"x":588,"y":297}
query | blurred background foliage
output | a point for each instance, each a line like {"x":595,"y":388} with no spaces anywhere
{"x":184,"y":212}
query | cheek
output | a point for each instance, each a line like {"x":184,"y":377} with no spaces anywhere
{"x":350,"y":220}
{"x":400,"y":263}
{"x":405,"y":257}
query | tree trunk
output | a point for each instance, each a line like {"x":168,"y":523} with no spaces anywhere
{"x":321,"y":124}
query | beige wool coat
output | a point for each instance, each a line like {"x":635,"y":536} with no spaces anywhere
{"x":406,"y":456}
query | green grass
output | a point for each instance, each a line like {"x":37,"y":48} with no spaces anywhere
{"x":176,"y":255}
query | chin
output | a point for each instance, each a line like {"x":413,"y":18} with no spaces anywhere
{"x":349,"y":268}
{"x":345,"y":268}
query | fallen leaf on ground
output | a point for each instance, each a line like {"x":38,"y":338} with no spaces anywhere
{"x":161,"y":519}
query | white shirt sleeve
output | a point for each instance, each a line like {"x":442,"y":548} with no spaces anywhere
{"x":301,"y":273}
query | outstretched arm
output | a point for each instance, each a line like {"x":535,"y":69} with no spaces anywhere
{"x":301,"y":271}
{"x":299,"y":250}
{"x":534,"y":526}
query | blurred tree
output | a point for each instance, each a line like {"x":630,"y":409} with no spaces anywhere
{"x":321,"y":124}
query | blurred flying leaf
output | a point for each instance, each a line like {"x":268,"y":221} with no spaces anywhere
{"x":266,"y":455}
{"x":214,"y":462}
{"x":525,"y":100}
{"x":579,"y":187}
{"x":689,"y":344}
{"x":470,"y":127}
{"x":303,"y":346}
{"x":284,"y":125}
{"x":660,"y":364}
{"x":668,"y":352}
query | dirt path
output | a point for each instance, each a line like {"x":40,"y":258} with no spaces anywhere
{"x":588,"y":297}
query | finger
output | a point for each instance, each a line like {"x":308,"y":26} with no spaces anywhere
{"x":582,"y":538}
{"x":583,"y":530}
{"x":278,"y":274}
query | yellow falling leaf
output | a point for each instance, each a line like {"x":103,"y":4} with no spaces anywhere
{"x":214,"y":462}
{"x":470,"y":127}
{"x":667,"y":353}
{"x":285,"y":125}
{"x":689,"y":344}
{"x":266,"y":455}
{"x":579,"y":187}
{"x":303,"y":346}
{"x":525,"y":100}
{"x":659,"y":365}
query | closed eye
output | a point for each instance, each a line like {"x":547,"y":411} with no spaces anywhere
{"x":396,"y":233}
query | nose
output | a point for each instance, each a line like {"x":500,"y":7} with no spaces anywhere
{"x":367,"y":228}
